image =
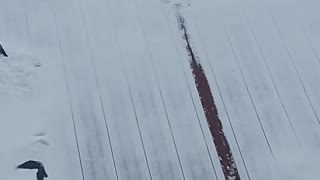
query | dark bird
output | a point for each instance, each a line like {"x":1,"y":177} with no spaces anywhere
{"x":3,"y":52}
{"x":41,"y":174}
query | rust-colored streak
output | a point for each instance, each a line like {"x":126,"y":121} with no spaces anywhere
{"x":221,"y":144}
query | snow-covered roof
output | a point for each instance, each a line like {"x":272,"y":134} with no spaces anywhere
{"x":160,"y":89}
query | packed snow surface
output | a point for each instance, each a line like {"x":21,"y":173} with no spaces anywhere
{"x":22,"y":135}
{"x":18,"y":74}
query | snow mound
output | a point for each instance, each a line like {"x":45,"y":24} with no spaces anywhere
{"x":18,"y":73}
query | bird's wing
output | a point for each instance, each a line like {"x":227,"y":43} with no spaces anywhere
{"x":30,"y":165}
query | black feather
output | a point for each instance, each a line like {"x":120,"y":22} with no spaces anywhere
{"x":31,"y":165}
{"x":2,"y":51}
{"x":41,"y":174}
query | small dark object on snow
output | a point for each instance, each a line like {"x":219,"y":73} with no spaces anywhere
{"x":2,"y":51}
{"x":41,"y":174}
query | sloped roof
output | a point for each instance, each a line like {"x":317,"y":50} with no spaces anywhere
{"x":161,"y":90}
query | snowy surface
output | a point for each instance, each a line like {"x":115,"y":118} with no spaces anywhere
{"x":23,"y":133}
{"x":102,"y":89}
{"x":18,"y":74}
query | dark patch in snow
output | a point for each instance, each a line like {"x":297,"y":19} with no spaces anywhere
{"x":221,"y":144}
{"x":36,"y":64}
{"x":3,"y":52}
{"x":41,"y":174}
